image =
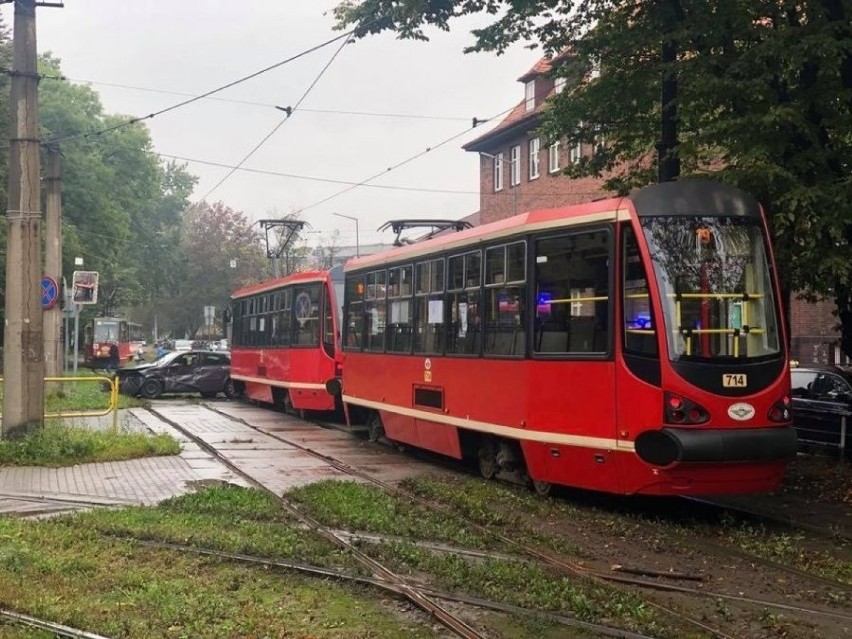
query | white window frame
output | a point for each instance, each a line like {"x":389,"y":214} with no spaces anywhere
{"x":515,"y":165}
{"x":529,"y":95}
{"x":553,"y":157}
{"x":559,"y":84}
{"x":575,"y":153}
{"x":498,"y":172}
{"x":535,"y":158}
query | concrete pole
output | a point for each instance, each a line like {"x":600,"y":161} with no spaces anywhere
{"x":23,"y":361}
{"x":53,"y":360}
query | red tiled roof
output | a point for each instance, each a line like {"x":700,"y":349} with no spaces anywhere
{"x":539,"y":68}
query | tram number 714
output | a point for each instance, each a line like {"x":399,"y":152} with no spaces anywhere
{"x":734,"y":380}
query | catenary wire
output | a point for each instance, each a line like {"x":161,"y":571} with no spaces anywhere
{"x":289,"y":111}
{"x":398,"y":165}
{"x":184,"y":103}
{"x":412,"y":116}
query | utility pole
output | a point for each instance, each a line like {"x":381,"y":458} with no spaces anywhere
{"x":23,"y":361}
{"x":53,"y":351}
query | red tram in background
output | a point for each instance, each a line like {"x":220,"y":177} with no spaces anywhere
{"x":285,"y":340}
{"x":631,"y":345}
{"x":100,"y":333}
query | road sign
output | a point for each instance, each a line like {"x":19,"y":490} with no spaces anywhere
{"x":84,"y":287}
{"x":49,"y":292}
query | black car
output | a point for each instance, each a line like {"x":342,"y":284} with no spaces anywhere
{"x":205,"y":372}
{"x":822,"y":405}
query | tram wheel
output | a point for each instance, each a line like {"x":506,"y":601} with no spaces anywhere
{"x":287,"y":403}
{"x":543,"y":488}
{"x":487,"y":457}
{"x":375,"y":430}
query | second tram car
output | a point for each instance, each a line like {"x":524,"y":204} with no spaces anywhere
{"x":630,"y":345}
{"x":285,"y":340}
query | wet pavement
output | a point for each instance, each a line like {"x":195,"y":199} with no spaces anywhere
{"x":28,"y":491}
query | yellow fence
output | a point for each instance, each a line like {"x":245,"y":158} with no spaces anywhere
{"x":93,"y":379}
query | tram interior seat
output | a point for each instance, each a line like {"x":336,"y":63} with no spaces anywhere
{"x":582,"y":336}
{"x":400,"y":338}
{"x":504,"y":340}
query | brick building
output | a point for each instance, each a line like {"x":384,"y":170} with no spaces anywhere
{"x":519,"y":171}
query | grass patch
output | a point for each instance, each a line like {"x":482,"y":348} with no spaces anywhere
{"x":56,"y":444}
{"x":362,"y":507}
{"x":67,"y":571}
{"x":256,"y":525}
{"x":530,"y":586}
{"x":74,"y":395}
{"x":789,"y":549}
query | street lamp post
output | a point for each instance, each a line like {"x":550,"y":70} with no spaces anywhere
{"x":357,"y":235}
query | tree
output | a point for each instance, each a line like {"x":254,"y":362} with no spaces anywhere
{"x":763,"y":100}
{"x":213,"y":236}
{"x":327,"y":250}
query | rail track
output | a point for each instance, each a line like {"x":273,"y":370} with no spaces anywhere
{"x":423,"y":597}
{"x":660,"y":582}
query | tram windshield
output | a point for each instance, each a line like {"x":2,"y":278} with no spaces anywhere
{"x":715,"y":285}
{"x":106,"y":331}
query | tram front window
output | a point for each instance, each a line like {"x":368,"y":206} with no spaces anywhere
{"x":715,"y":285}
{"x":105,"y":331}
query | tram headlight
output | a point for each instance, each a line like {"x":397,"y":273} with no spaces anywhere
{"x":679,"y":410}
{"x":780,"y":411}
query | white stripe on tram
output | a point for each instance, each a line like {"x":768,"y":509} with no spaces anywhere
{"x":278,"y":383}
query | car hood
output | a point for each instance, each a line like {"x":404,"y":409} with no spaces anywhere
{"x":138,"y":368}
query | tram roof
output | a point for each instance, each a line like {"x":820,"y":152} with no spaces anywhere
{"x":293,"y":278}
{"x":537,"y":220}
{"x":689,"y":197}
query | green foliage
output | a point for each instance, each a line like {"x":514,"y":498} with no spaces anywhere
{"x":764,"y":101}
{"x":212,"y":236}
{"x":61,"y":445}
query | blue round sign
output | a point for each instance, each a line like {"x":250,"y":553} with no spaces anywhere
{"x":49,"y":292}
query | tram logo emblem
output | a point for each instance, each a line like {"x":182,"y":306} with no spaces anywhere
{"x":741,"y":411}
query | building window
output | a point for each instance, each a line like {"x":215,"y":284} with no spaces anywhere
{"x":515,"y":165}
{"x":559,"y":85}
{"x":553,"y":157}
{"x":529,"y":94}
{"x":575,"y":153}
{"x":498,"y":172}
{"x":535,"y":147}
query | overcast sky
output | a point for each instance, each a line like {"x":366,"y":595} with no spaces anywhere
{"x":193,"y":46}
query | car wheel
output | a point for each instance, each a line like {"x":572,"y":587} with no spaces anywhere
{"x":152,"y":388}
{"x":231,"y":391}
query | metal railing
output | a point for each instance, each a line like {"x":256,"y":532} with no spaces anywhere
{"x":95,"y":379}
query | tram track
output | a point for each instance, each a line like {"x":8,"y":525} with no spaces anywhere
{"x":58,"y":629}
{"x":415,"y":596}
{"x":571,"y":567}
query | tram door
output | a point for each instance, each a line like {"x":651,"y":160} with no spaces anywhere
{"x":639,"y":396}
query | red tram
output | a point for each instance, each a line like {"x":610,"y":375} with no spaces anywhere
{"x":285,"y":339}
{"x":631,"y":345}
{"x":100,"y":333}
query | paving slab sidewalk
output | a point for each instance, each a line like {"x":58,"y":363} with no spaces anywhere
{"x":29,"y":491}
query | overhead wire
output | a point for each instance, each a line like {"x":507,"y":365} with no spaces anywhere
{"x":413,"y":116}
{"x":400,"y":164}
{"x":184,"y":103}
{"x":181,"y":158}
{"x":289,"y":111}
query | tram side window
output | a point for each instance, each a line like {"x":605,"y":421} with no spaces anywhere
{"x":400,"y":306}
{"x":572,"y":286}
{"x":640,"y":334}
{"x":306,"y":320}
{"x":375,"y":317}
{"x":429,"y":311}
{"x":285,"y":317}
{"x":505,"y":291}
{"x":353,"y":313}
{"x":465,"y":300}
